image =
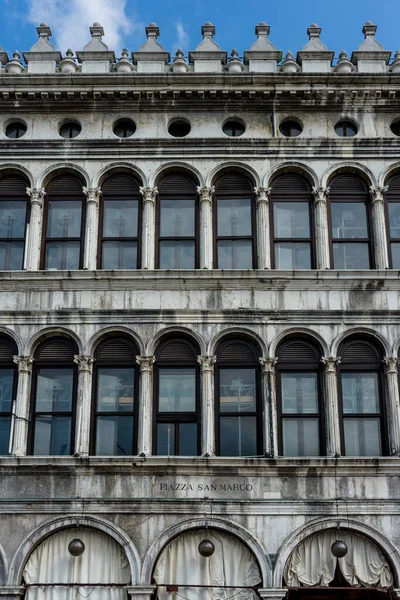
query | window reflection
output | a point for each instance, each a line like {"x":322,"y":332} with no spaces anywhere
{"x":7,"y":394}
{"x":177,"y":390}
{"x":13,"y":216}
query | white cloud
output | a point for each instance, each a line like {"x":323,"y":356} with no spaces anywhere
{"x":182,"y":37}
{"x":70,"y":21}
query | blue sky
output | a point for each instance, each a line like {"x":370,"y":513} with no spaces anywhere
{"x":180,"y":22}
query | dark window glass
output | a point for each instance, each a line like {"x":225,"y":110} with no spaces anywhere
{"x":393,"y":211}
{"x":234,"y":128}
{"x":290,"y":128}
{"x":8,"y":391}
{"x":13,"y":217}
{"x":346,"y":129}
{"x":70,"y":130}
{"x":179,"y":128}
{"x":395,"y":128}
{"x":15,"y":130}
{"x":124,"y":128}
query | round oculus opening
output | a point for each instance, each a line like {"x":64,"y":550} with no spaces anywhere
{"x":290,"y":128}
{"x":15,"y":130}
{"x":179,"y":128}
{"x":124,"y":128}
{"x":70,"y":129}
{"x":234,"y":128}
{"x":346,"y":129}
{"x":395,"y":127}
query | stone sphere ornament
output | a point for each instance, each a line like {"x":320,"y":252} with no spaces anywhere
{"x":76,"y":547}
{"x":206,"y":548}
{"x":339,"y":549}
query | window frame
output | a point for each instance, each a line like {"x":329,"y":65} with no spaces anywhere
{"x":15,"y":195}
{"x":388,"y":201}
{"x":11,"y":365}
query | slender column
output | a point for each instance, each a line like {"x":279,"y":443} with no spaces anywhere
{"x":146,"y":364}
{"x":149,"y":227}
{"x":263,"y":228}
{"x":270,"y":412}
{"x":331,"y":406}
{"x":92,"y":228}
{"x":392,"y":378}
{"x":21,"y":411}
{"x":206,"y":227}
{"x":83,"y":408}
{"x":207,"y":404}
{"x":321,"y":227}
{"x":34,"y":244}
{"x":379,"y":227}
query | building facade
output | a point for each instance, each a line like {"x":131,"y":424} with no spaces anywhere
{"x":199,"y":321}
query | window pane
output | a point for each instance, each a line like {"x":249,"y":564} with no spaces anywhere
{"x":360,"y":393}
{"x":115,"y":390}
{"x":177,"y":218}
{"x":120,"y":218}
{"x":188,"y":439}
{"x":114,"y":436}
{"x":299,"y":393}
{"x":6,"y":389}
{"x":394,"y":219}
{"x":396,"y":256}
{"x":177,"y":255}
{"x":64,"y":219}
{"x":11,"y":256}
{"x":292,"y":255}
{"x":235,"y":254}
{"x":349,"y":220}
{"x":119,"y":255}
{"x":177,"y":392}
{"x":362,"y":437}
{"x":52,"y":436}
{"x":165,"y":439}
{"x":238,"y":436}
{"x":237,"y":389}
{"x":234,"y":217}
{"x":351,"y":256}
{"x":291,"y":220}
{"x":12,"y":219}
{"x":300,"y":437}
{"x":62,"y":255}
{"x":5,"y":423}
{"x":54,"y":390}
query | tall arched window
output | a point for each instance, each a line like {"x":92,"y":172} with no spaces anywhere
{"x":64,"y":224}
{"x":361,"y":392}
{"x":234,"y":223}
{"x":115,"y":398}
{"x":177,"y":223}
{"x":177,"y":398}
{"x":53,"y":402}
{"x":293,"y":246}
{"x":300,"y":399}
{"x":350,"y":223}
{"x":8,"y":390}
{"x":120,"y":223}
{"x":393,"y":209}
{"x":238,"y":405}
{"x":13,"y":219}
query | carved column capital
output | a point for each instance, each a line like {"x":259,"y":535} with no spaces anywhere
{"x":92,"y":194}
{"x":24,"y":363}
{"x":36,"y":195}
{"x":391,"y":364}
{"x":149,"y":194}
{"x":85,"y":363}
{"x":205,"y":193}
{"x":262,"y":194}
{"x":330,"y":363}
{"x":377,"y":193}
{"x":268,"y":365}
{"x":320,"y":194}
{"x":207,"y":363}
{"x":146,"y":363}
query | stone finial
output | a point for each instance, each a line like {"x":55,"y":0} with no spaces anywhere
{"x":15,"y":66}
{"x":343,"y":65}
{"x":68,"y":65}
{"x":95,"y":56}
{"x":262,"y":29}
{"x":315,"y":57}
{"x":208,"y":29}
{"x":179,"y":65}
{"x":151,"y":51}
{"x":262,"y":56}
{"x":124,"y":65}
{"x":208,"y":56}
{"x":235,"y":65}
{"x":370,"y":57}
{"x":289,"y":65}
{"x":395,"y":67}
{"x":314,"y":31}
{"x":42,"y":57}
{"x":369,"y":28}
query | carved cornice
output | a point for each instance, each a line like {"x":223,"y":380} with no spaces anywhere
{"x":146,"y":363}
{"x":36,"y":195}
{"x":330,"y":363}
{"x":149,"y":194}
{"x":207,"y":363}
{"x":85,"y":363}
{"x":24,"y":363}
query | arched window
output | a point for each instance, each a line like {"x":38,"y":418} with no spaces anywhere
{"x":64,"y":224}
{"x":115,"y":398}
{"x":177,"y":398}
{"x":300,"y":399}
{"x":393,"y":209}
{"x":120,"y":223}
{"x":234,"y":223}
{"x":238,"y":406}
{"x":8,"y":390}
{"x":292,"y":220}
{"x":13,"y":219}
{"x":53,"y":403}
{"x":177,"y":223}
{"x":360,"y":385}
{"x":350,"y":223}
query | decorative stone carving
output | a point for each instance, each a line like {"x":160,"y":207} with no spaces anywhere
{"x":179,"y":65}
{"x":206,"y":193}
{"x":24,"y":363}
{"x":207,"y":363}
{"x":391,"y":364}
{"x":262,"y":56}
{"x":268,"y":365}
{"x":92,"y":195}
{"x":36,"y":195}
{"x":15,"y":66}
{"x":42,"y":57}
{"x":395,"y":68}
{"x":151,"y":57}
{"x":95,"y":56}
{"x":149,"y":194}
{"x":146,"y":363}
{"x":320,"y":194}
{"x":344,"y":65}
{"x":208,"y":56}
{"x":289,"y":65}
{"x":321,"y":227}
{"x":85,"y":363}
{"x":315,"y":57}
{"x":379,"y":226}
{"x":68,"y":65}
{"x":371,"y":57}
{"x":330,"y":363}
{"x":262,"y":194}
{"x":124,"y":65}
{"x":377,"y":194}
{"x":235,"y":65}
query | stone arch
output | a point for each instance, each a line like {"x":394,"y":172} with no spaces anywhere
{"x":34,"y":539}
{"x":308,"y":529}
{"x":223,"y":525}
{"x":14,"y":336}
{"x":396,"y":348}
{"x":241,"y":331}
{"x":360,"y":331}
{"x":40,"y":336}
{"x":183,"y":167}
{"x":61,"y":168}
{"x":385,"y":175}
{"x":292,"y":332}
{"x":349,"y":167}
{"x":119,"y":167}
{"x":245,"y":169}
{"x":155,"y":340}
{"x":111,"y":330}
{"x":16,"y":169}
{"x":291,"y":167}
